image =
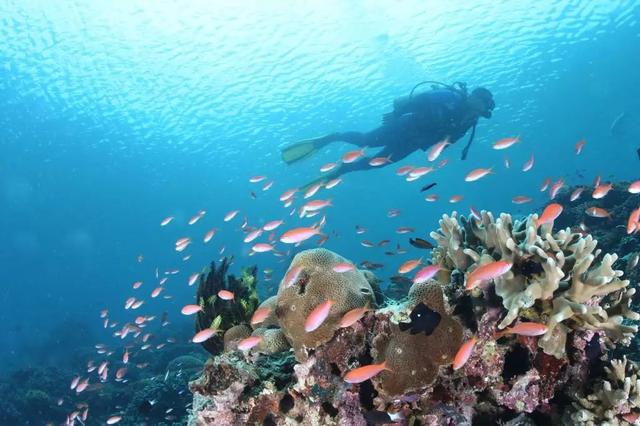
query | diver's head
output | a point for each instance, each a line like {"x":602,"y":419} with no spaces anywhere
{"x":481,"y":101}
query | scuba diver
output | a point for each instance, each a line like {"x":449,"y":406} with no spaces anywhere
{"x":416,"y":123}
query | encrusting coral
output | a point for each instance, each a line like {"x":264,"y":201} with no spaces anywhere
{"x":317,"y":283}
{"x":560,"y":273}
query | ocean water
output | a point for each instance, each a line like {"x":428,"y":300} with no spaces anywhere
{"x":114,"y":115}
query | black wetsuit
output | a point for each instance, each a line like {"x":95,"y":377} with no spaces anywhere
{"x":415,"y":124}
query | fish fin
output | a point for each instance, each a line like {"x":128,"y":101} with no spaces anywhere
{"x":404,"y":326}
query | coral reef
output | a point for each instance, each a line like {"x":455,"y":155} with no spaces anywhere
{"x":559,"y":281}
{"x":223,"y":314}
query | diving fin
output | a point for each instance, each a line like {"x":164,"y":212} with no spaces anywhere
{"x":300,"y":150}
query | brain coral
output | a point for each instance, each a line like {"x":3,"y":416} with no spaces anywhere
{"x":414,"y":359}
{"x":317,"y":283}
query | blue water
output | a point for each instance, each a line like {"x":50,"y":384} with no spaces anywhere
{"x":114,"y":115}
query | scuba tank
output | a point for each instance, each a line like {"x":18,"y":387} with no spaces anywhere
{"x":458,"y":87}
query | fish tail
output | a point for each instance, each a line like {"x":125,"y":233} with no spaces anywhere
{"x":384,"y":366}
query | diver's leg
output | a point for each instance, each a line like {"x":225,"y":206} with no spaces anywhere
{"x":308,"y":147}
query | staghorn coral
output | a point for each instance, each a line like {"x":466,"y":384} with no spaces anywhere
{"x":562,"y":271}
{"x":618,"y":394}
{"x":317,"y":283}
{"x":415,"y":359}
{"x":223,"y":314}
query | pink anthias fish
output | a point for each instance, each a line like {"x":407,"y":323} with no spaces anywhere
{"x":353,"y":316}
{"x":576,"y":194}
{"x":343,"y":267}
{"x":204,"y":335}
{"x":318,"y":315}
{"x":529,"y":329}
{"x":298,"y":235}
{"x":464,"y":353}
{"x":226,"y":295}
{"x":292,"y":275}
{"x":404,"y":170}
{"x":632,"y":222}
{"x":437,"y":149}
{"x":257,"y":178}
{"x":601,"y":191}
{"x":529,"y":164}
{"x":193,"y":278}
{"x":229,"y":216}
{"x":197,"y":217}
{"x":579,"y":146}
{"x":634,"y":187}
{"x":364,"y":373}
{"x":455,"y":198}
{"x":333,"y":183}
{"x":352,"y":156}
{"x":426,"y":273}
{"x":259,"y":315}
{"x":328,"y":167}
{"x":380,"y":161}
{"x":286,"y":195}
{"x":409,"y":266}
{"x":549,"y":214}
{"x":313,"y":189}
{"x":252,"y":235}
{"x":486,"y":272}
{"x":166,"y":221}
{"x":209,"y":235}
{"x":190,"y":309}
{"x":249,"y":343}
{"x":262,"y":247}
{"x":477,"y":174}
{"x":506,"y":143}
{"x":270,"y":226}
{"x":521,"y":199}
{"x":315,"y":205}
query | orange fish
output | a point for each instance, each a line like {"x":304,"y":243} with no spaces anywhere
{"x":521,"y":199}
{"x":259,"y":315}
{"x":506,"y":143}
{"x":601,"y":191}
{"x":634,"y":187}
{"x":486,"y":272}
{"x":352,"y":316}
{"x":249,"y":342}
{"x":529,"y":164}
{"x":579,"y":146}
{"x":298,"y":235}
{"x":431,"y":197}
{"x":328,"y":167}
{"x":166,"y":221}
{"x":576,"y":194}
{"x":286,"y":195}
{"x":455,"y":198}
{"x":190,"y":309}
{"x":252,"y":235}
{"x":545,"y":184}
{"x":352,"y":156}
{"x":270,"y":226}
{"x":437,"y":149}
{"x":404,"y":170}
{"x":379,"y":161}
{"x":632,"y":223}
{"x":555,"y":188}
{"x":426,"y":273}
{"x":231,"y":215}
{"x":597,"y":212}
{"x":318,"y":315}
{"x":113,"y":420}
{"x":333,"y":183}
{"x":418,"y":172}
{"x":262,"y":247}
{"x":361,"y":374}
{"x":529,"y":329}
{"x":226,"y":295}
{"x":464,"y":353}
{"x":549,"y":214}
{"x":316,"y":205}
{"x":343,"y":267}
{"x":203,"y":335}
{"x":136,"y":285}
{"x":257,"y":178}
{"x":312,"y":190}
{"x":209,"y":235}
{"x":196,"y":217}
{"x":292,"y":275}
{"x":409,"y":266}
{"x":156,"y":292}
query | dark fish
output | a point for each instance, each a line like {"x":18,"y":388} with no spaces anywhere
{"x":423,"y":319}
{"x":377,"y":417}
{"x":399,"y":279}
{"x":427,"y":187}
{"x":420,"y":243}
{"x":389,"y":253}
{"x":383,"y":243}
{"x":145,"y":407}
{"x":370,"y":265}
